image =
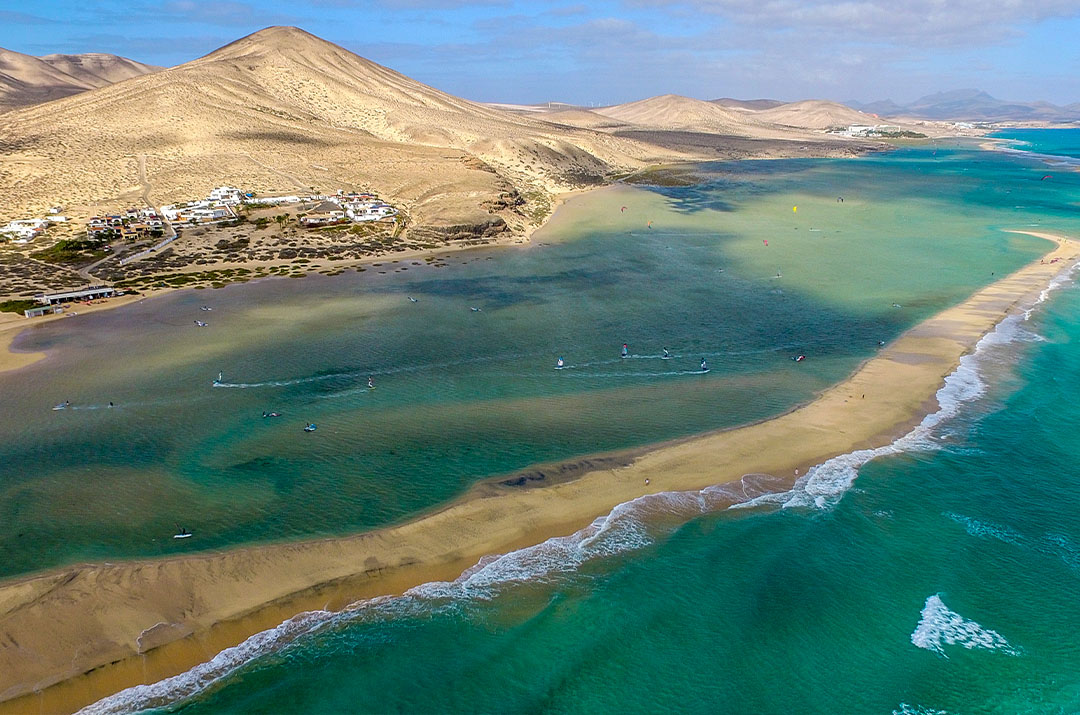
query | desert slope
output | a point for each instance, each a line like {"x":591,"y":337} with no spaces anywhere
{"x":97,"y":69}
{"x":26,"y":80}
{"x":815,"y":114}
{"x":283,"y":110}
{"x":29,"y":80}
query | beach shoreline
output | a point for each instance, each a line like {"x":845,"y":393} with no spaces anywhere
{"x":142,"y":621}
{"x":13,"y":325}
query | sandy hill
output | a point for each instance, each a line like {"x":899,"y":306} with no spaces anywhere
{"x":676,"y":113}
{"x":282,"y":110}
{"x":98,"y":69}
{"x":816,"y":114}
{"x":753,"y":104}
{"x":582,"y":118}
{"x":27,"y":80}
{"x":671,"y":111}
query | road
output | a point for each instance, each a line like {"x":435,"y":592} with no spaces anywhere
{"x":170,"y":232}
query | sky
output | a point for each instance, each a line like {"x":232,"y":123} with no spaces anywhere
{"x":612,"y":51}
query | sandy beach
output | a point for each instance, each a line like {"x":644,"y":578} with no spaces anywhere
{"x":12,"y":324}
{"x":140,"y":621}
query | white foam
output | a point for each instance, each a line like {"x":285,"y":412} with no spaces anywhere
{"x":629,"y":526}
{"x":823,"y":485}
{"x":986,"y":529}
{"x":905,"y":709}
{"x":940,"y":627}
{"x":185,"y":685}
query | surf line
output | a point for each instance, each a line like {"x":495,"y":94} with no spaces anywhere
{"x":434,"y":546}
{"x":629,"y":526}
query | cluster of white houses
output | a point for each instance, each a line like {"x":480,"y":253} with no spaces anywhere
{"x":131,"y":223}
{"x":218,"y":206}
{"x":221,"y":205}
{"x":865,"y":130}
{"x":26,"y":230}
{"x":342,"y":207}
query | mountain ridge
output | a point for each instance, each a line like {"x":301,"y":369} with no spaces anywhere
{"x":26,"y":80}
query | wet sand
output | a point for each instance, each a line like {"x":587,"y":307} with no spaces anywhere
{"x":92,"y":630}
{"x":12,"y":324}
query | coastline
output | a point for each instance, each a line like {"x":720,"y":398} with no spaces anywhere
{"x":182,"y":611}
{"x":12,"y":325}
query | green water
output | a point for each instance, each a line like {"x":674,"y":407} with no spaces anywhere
{"x":666,"y":605}
{"x":464,"y":395}
{"x":944,"y":579}
{"x":764,"y":611}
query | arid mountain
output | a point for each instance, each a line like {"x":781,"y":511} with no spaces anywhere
{"x":815,"y":114}
{"x":754,"y":104}
{"x":671,"y":111}
{"x":973,"y":105}
{"x":98,"y":69}
{"x":282,"y":110}
{"x":27,"y":80}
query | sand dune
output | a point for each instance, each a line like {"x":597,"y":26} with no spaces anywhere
{"x":749,"y":104}
{"x":98,"y":69}
{"x":139,"y":621}
{"x":816,"y":114}
{"x":671,"y":111}
{"x":282,"y":110}
{"x":27,"y":80}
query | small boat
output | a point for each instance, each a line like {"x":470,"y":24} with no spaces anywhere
{"x":206,"y":308}
{"x":475,"y":310}
{"x":411,"y":299}
{"x":201,"y":324}
{"x":183,"y":534}
{"x":271,"y":414}
{"x":559,"y":364}
{"x":62,"y":406}
{"x":310,"y":427}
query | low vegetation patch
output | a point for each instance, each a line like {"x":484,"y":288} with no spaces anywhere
{"x":16,"y":306}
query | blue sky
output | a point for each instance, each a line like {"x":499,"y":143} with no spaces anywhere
{"x":616,"y":50}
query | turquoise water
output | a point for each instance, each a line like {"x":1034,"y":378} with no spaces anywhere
{"x":465,"y":395}
{"x":945,"y":580}
{"x":1058,"y":148}
{"x":847,"y":602}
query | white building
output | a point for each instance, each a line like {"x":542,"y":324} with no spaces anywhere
{"x":226,"y":195}
{"x":24,"y":230}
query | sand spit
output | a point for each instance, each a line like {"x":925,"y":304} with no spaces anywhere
{"x":92,"y":630}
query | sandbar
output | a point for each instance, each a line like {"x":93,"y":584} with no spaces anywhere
{"x":73,"y":635}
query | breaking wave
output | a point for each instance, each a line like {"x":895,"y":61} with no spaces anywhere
{"x":628,"y":527}
{"x":631,"y":526}
{"x":940,"y":627}
{"x":823,"y":485}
